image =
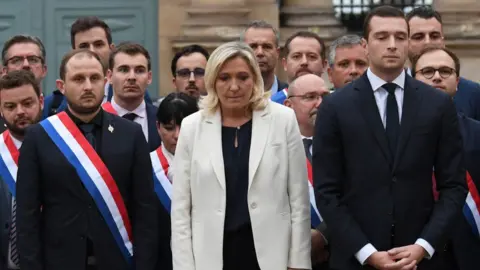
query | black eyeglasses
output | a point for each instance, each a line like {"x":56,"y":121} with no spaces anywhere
{"x":429,"y":72}
{"x":19,"y":60}
{"x":185,"y":73}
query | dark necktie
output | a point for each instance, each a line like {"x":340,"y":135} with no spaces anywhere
{"x":306,"y":144}
{"x":87,"y":130}
{"x":392,"y":122}
{"x":130,"y":116}
{"x":15,"y":259}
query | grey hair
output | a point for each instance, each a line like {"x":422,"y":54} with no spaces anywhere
{"x":261,"y":24}
{"x":342,"y":42}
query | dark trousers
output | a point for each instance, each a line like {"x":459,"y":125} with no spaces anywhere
{"x":239,"y":250}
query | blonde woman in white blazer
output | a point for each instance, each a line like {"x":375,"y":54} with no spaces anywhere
{"x":240,"y":199}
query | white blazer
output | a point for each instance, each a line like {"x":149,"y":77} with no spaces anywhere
{"x":278,"y":196}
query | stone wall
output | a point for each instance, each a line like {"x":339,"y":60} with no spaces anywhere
{"x":212,"y":22}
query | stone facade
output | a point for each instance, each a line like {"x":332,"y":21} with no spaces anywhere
{"x":212,"y":22}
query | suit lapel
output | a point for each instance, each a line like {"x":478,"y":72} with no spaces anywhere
{"x":108,"y":134}
{"x":213,"y":133}
{"x":153,"y":137}
{"x":411,"y":102}
{"x":368,"y":107}
{"x":260,"y":132}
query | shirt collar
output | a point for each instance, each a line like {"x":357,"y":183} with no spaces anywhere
{"x":16,"y":141}
{"x":274,"y":89}
{"x":96,"y":120}
{"x":303,"y":137}
{"x":377,"y":82}
{"x":140,"y":111}
{"x":167,"y":153}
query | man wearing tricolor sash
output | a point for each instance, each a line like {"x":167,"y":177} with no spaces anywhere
{"x":85,"y":189}
{"x":440,"y":68}
{"x":21,"y":106}
{"x":305,"y":95}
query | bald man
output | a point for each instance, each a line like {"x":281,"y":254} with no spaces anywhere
{"x":305,"y":94}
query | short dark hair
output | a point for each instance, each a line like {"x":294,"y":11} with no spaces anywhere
{"x":433,"y":49}
{"x":424,"y":12}
{"x":385,"y":11}
{"x":131,"y":49}
{"x":260,"y":24}
{"x":71,"y":54}
{"x":185,"y":51}
{"x":17,"y":78}
{"x":83,"y":24}
{"x":176,"y":106}
{"x":22,"y":39}
{"x":306,"y":34}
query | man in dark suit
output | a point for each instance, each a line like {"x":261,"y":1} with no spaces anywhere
{"x":85,"y":187}
{"x":304,"y":96}
{"x":426,"y":30}
{"x":130,"y":73}
{"x":86,"y":33}
{"x":440,"y":68}
{"x":21,"y":106}
{"x":376,"y":143}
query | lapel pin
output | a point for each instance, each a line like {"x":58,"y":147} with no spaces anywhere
{"x":110,"y":128}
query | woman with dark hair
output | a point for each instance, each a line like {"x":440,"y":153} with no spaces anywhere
{"x":170,"y":114}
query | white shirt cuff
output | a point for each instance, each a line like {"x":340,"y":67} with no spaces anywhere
{"x":365,"y":252}
{"x":430,"y":250}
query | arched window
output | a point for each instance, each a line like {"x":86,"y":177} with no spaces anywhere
{"x":352,"y":13}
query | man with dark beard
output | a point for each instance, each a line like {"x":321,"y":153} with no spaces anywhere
{"x":21,"y":106}
{"x":85,"y":186}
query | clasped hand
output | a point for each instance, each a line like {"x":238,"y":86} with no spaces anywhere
{"x":401,"y":258}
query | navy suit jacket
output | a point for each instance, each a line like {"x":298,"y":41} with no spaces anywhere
{"x":281,"y":85}
{"x":153,"y":137}
{"x":467,"y":98}
{"x":63,"y":105}
{"x":466,"y":245}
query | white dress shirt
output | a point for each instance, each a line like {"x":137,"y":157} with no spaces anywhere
{"x":381,"y":98}
{"x":11,"y":265}
{"x":140,"y":111}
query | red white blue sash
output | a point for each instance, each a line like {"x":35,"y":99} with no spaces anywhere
{"x":107,"y":106}
{"x":316,"y":217}
{"x":9,"y":161}
{"x":162,"y":185}
{"x":95,"y":176}
{"x":471,"y":209}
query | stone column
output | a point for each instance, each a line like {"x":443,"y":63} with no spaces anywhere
{"x":314,"y":15}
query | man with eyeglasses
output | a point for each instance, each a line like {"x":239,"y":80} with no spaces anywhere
{"x":305,"y":94}
{"x":188,"y":69}
{"x":25,"y":52}
{"x":440,"y":68}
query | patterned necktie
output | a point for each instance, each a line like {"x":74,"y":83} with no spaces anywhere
{"x":306,"y":144}
{"x":13,"y":235}
{"x":392,"y":122}
{"x":130,"y":116}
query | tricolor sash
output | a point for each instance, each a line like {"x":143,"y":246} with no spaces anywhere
{"x":94,"y":175}
{"x":471,"y":209}
{"x":9,"y":161}
{"x":316,"y":217}
{"x":107,"y":106}
{"x":162,"y":185}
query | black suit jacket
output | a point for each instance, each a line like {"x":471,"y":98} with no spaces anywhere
{"x":467,"y":98}
{"x":281,"y":85}
{"x":153,"y":137}
{"x":5,"y":220}
{"x":362,"y":193}
{"x":55,"y":237}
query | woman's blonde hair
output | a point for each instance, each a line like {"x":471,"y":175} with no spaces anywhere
{"x":222,"y":54}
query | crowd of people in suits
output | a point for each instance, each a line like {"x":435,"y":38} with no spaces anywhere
{"x":236,"y":169}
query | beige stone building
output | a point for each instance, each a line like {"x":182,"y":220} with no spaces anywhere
{"x":212,"y":22}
